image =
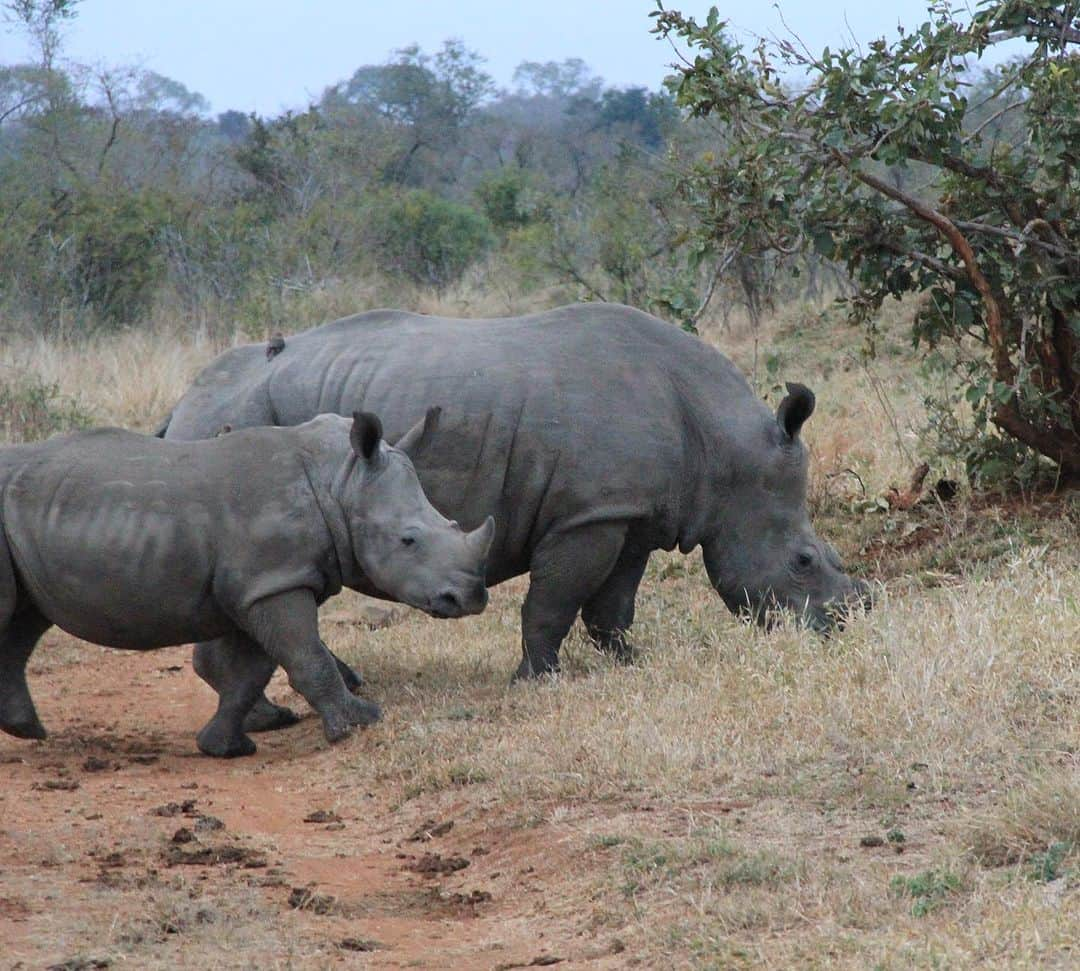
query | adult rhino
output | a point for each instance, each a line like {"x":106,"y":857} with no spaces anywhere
{"x":594,"y":433}
{"x":131,"y":542}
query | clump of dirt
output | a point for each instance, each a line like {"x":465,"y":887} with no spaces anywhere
{"x":359,"y":944}
{"x":322,"y":816}
{"x":435,"y":865}
{"x":542,"y":961}
{"x":58,"y":785}
{"x":80,"y":964}
{"x":470,"y":899}
{"x":214,"y":856}
{"x":306,"y":898}
{"x":13,"y":908}
{"x":429,"y":830}
{"x":169,"y":809}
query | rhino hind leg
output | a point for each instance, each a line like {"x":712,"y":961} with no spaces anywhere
{"x":18,"y":639}
{"x":609,"y":613}
{"x":353,"y":681}
{"x":267,"y":716}
{"x":238,"y":669}
{"x":213,"y":663}
{"x":567,"y":570}
{"x":286,"y":626}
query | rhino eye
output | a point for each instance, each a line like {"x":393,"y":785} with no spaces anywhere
{"x":804,"y":560}
{"x":407,"y":540}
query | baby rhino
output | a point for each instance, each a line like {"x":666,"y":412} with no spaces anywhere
{"x":132,"y":542}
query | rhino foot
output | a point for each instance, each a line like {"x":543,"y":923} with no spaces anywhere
{"x":18,"y":716}
{"x":265,"y":716}
{"x":224,"y":745}
{"x":352,"y":679}
{"x":24,"y":728}
{"x":355,"y":712}
{"x":527,"y":671}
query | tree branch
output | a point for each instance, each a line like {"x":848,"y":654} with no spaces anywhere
{"x":995,"y":327}
{"x":1023,"y":237}
{"x":21,"y":104}
{"x":718,"y":271}
{"x":989,"y":121}
{"x":1067,"y":35}
{"x":930,"y":262}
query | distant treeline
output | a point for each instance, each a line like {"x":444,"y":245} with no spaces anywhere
{"x":119,"y":193}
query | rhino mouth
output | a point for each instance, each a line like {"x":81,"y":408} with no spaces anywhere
{"x":452,"y":603}
{"x":768,"y":612}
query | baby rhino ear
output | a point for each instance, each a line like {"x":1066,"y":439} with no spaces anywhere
{"x":366,"y":433}
{"x":795,"y":408}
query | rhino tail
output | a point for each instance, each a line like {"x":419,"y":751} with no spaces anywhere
{"x":162,"y":428}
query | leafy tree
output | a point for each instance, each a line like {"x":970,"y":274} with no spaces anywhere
{"x":894,"y":161}
{"x":648,"y":116}
{"x":234,"y":125}
{"x":559,"y":80}
{"x":617,"y":240}
{"x":431,"y":100}
{"x":159,"y":93}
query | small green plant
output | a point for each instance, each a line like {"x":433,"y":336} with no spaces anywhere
{"x":928,"y":890}
{"x":1046,"y":866}
{"x":606,"y":841}
{"x":467,"y":775}
{"x":32,"y":409}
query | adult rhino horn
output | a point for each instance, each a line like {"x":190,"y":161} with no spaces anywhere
{"x":414,"y":440}
{"x":796,"y":407}
{"x":479,"y":539}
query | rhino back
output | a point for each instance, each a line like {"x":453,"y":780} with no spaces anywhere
{"x":231,"y":390}
{"x":552,"y":420}
{"x":132,"y":542}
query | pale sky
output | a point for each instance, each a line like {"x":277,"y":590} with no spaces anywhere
{"x":268,"y":55}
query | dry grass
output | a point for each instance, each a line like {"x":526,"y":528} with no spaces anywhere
{"x":98,"y":375}
{"x":708,"y":804}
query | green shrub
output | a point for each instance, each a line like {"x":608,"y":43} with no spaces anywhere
{"x":118,"y":262}
{"x":427,"y":239}
{"x":507,"y":200}
{"x":32,"y":409}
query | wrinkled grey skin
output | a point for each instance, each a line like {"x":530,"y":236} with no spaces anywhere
{"x":595,"y":434}
{"x":131,"y":542}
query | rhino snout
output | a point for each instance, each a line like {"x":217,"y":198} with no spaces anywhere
{"x":838,"y":612}
{"x":460,"y":601}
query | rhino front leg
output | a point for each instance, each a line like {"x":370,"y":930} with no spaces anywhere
{"x":18,"y":638}
{"x":567,"y":569}
{"x":238,"y":669}
{"x":609,"y":613}
{"x":265,"y":716}
{"x":286,"y":626}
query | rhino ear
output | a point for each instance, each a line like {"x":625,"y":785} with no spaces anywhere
{"x":796,"y":407}
{"x":414,"y":440}
{"x":366,"y":433}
